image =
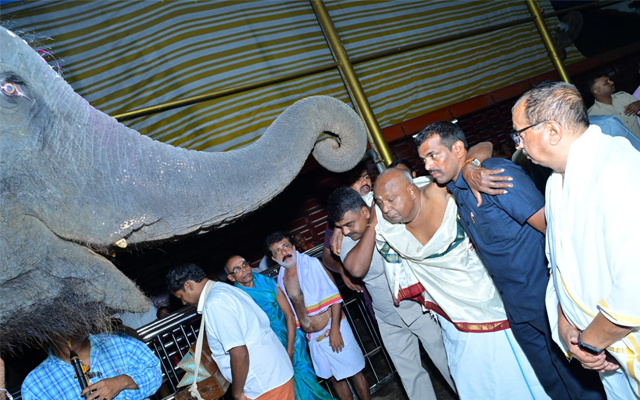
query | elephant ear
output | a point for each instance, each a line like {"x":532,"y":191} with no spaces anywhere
{"x":63,"y":283}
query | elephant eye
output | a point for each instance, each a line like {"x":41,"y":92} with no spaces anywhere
{"x":12,"y":89}
{"x":9,"y":88}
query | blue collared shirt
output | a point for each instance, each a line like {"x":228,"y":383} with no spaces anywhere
{"x":510,"y":248}
{"x":111,"y":355}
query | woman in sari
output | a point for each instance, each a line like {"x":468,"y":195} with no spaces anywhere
{"x":269,"y":297}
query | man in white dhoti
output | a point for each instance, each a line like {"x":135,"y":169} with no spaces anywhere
{"x":591,"y":235}
{"x":317,"y":303}
{"x":400,"y":327}
{"x":439,"y":270}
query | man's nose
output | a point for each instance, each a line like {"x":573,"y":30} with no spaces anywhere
{"x":428,"y":164}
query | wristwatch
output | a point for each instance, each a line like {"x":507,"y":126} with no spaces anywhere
{"x":473,"y":161}
{"x":588,"y":348}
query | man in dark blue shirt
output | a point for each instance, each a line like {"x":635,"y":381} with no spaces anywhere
{"x":508,"y":233}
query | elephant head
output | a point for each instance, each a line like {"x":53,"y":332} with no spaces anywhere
{"x":74,"y":182}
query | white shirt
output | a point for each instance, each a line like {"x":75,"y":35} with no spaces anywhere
{"x":233,"y":319}
{"x":620,"y":100}
{"x":592,"y":238}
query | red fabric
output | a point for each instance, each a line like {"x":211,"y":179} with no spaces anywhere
{"x":414,"y":293}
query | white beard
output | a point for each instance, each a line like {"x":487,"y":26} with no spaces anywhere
{"x":291,"y":263}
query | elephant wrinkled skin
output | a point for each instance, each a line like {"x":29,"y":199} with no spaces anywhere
{"x":74,"y":181}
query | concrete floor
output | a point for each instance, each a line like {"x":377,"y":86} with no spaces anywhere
{"x":393,"y":390}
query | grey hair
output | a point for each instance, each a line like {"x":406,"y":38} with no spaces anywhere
{"x":406,"y":174}
{"x":555,"y":101}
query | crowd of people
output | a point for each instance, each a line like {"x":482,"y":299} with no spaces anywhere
{"x":512,"y":292}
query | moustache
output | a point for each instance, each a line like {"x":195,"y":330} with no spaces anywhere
{"x":431,"y":171}
{"x":285,"y":257}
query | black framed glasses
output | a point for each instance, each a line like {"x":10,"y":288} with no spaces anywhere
{"x":515,"y":135}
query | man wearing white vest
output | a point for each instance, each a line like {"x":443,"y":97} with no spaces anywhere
{"x":592,"y":233}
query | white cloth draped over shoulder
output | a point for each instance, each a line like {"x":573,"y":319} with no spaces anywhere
{"x":446,"y":276}
{"x":319,"y":290}
{"x":592,"y":240}
{"x":320,"y":293}
{"x":455,"y":282}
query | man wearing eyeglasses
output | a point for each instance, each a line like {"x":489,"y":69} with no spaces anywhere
{"x":269,"y":297}
{"x":592,"y":235}
{"x":508,"y":234}
{"x":239,"y":335}
{"x":317,"y":304}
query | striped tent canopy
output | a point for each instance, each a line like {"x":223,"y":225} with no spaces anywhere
{"x":126,"y":55}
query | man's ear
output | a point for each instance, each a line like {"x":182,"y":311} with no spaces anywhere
{"x":365,"y":212}
{"x":596,"y":89}
{"x":458,"y":149}
{"x":554,"y":131}
{"x":231,"y":278}
{"x":413,"y":191}
{"x":188,"y":285}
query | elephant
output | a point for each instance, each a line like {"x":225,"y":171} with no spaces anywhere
{"x":74,"y":183}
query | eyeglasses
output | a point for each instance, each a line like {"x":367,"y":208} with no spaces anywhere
{"x":516,"y":134}
{"x":244,"y":265}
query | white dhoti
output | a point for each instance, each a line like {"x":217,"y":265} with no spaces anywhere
{"x":489,"y":365}
{"x":328,"y":363}
{"x":320,"y":294}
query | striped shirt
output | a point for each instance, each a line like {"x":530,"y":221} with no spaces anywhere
{"x":112,"y":354}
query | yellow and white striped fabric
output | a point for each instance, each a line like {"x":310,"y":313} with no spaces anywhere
{"x":124,"y":55}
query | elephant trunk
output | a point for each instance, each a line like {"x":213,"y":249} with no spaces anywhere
{"x":142,"y":190}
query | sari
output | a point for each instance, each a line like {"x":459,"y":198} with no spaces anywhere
{"x":265,"y":293}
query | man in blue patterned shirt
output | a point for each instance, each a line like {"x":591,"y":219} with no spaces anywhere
{"x":120,"y":367}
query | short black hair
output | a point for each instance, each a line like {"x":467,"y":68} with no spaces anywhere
{"x":160,"y":311}
{"x":403,"y":162}
{"x":342,"y":200}
{"x":591,"y":82}
{"x":350,"y":177}
{"x":227,"y":262}
{"x":275,"y":237}
{"x":177,"y":277}
{"x":448,"y":131}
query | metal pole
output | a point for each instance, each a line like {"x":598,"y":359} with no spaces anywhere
{"x":376,"y":138}
{"x":534,"y":9}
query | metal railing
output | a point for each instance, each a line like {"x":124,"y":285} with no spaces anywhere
{"x":170,"y":339}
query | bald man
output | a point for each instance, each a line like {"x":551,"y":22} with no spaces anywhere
{"x":440,"y":270}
